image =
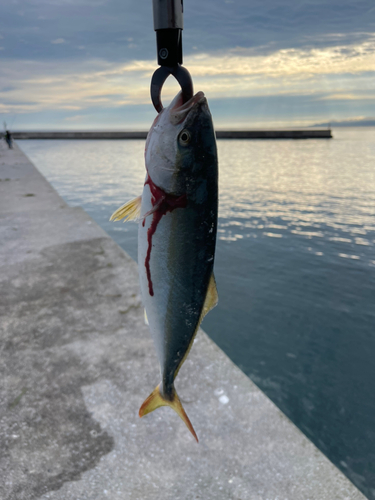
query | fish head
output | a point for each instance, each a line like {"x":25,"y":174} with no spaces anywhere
{"x":181,"y":145}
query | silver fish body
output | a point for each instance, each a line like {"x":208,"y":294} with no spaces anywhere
{"x":177,"y":237}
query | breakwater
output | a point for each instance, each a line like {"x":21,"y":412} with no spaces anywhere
{"x":78,"y":362}
{"x":220,"y":134}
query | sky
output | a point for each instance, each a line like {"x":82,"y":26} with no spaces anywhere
{"x":87,"y":64}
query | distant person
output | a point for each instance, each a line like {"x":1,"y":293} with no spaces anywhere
{"x":8,"y":138}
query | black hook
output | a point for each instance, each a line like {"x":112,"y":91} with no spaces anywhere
{"x":181,"y":74}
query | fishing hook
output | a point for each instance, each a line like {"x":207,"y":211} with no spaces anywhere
{"x":183,"y":77}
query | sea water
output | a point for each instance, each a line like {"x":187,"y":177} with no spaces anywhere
{"x":295,"y":269}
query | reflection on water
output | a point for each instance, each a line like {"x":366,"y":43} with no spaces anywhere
{"x":295,"y":269}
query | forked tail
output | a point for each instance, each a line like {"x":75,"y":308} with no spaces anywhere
{"x":155,"y":400}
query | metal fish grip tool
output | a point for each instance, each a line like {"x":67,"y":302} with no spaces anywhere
{"x":168,"y":24}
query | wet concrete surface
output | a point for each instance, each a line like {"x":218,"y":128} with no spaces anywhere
{"x":77,"y":362}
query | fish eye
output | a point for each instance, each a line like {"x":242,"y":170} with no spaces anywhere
{"x":184,"y":138}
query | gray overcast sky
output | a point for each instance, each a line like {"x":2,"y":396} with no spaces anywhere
{"x":87,"y":64}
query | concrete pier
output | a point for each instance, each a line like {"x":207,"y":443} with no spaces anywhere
{"x":77,"y":361}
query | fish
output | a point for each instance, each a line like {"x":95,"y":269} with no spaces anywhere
{"x":177,"y":226}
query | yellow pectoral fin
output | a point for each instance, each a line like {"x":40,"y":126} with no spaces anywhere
{"x":155,"y":400}
{"x":130,"y":211}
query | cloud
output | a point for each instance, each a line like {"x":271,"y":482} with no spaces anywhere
{"x":268,"y":51}
{"x":240,"y":62}
{"x":105,"y":27}
{"x":332,"y":73}
{"x":348,"y":97}
{"x":58,"y":41}
{"x":75,"y":118}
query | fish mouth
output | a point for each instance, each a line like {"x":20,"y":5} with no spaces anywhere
{"x":180,"y":110}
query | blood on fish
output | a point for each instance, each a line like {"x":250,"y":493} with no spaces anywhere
{"x":163,"y":203}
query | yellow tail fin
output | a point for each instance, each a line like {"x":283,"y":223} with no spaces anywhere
{"x":155,"y":400}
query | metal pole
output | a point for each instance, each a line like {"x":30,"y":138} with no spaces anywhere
{"x":168,"y":24}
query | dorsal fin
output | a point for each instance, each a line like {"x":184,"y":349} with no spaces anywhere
{"x":130,"y":211}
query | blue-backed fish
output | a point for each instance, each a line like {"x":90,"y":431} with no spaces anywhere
{"x":177,"y":214}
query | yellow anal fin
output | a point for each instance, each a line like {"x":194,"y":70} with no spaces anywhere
{"x":146,"y":318}
{"x":130,"y":211}
{"x":155,"y":400}
{"x":212,"y":298}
